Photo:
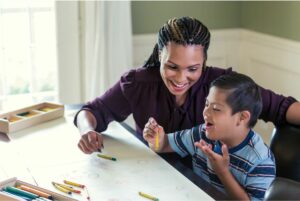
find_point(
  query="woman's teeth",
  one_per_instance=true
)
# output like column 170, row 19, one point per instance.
column 179, row 85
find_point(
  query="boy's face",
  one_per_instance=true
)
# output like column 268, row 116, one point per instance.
column 219, row 121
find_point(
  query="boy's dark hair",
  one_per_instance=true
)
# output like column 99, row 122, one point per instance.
column 184, row 31
column 243, row 94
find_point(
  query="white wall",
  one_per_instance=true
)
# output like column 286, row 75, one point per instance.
column 271, row 61
column 68, row 51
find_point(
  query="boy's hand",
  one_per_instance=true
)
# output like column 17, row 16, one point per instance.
column 154, row 134
column 219, row 163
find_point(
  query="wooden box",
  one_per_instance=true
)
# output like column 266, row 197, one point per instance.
column 25, row 117
column 15, row 182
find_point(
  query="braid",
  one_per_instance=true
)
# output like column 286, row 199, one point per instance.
column 183, row 31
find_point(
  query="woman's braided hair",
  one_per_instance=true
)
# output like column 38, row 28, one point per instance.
column 183, row 31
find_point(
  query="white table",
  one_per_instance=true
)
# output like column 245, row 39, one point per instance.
column 48, row 152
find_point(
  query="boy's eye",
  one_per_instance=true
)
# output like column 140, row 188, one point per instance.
column 215, row 108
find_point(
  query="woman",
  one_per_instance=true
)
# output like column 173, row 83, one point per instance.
column 171, row 87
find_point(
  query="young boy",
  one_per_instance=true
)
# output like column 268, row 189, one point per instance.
column 226, row 151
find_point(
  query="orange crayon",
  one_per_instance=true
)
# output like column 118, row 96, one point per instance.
column 35, row 191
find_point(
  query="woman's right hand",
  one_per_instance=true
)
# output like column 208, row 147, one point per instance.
column 91, row 141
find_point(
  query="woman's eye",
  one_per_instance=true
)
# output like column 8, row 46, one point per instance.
column 192, row 69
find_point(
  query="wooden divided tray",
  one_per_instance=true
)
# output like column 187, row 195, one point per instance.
column 14, row 182
column 25, row 117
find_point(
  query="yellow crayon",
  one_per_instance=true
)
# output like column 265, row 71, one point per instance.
column 73, row 184
column 61, row 188
column 150, row 197
column 106, row 157
column 156, row 141
column 69, row 188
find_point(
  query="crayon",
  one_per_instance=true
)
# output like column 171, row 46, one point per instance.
column 106, row 157
column 156, row 141
column 150, row 197
column 35, row 191
column 69, row 188
column 73, row 184
column 61, row 189
column 15, row 195
column 20, row 192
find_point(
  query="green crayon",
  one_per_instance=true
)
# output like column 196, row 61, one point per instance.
column 20, row 192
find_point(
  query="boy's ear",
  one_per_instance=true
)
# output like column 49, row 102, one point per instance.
column 245, row 116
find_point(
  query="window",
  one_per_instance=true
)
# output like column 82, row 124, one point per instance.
column 28, row 64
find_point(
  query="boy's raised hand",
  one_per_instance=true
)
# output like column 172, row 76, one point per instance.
column 154, row 134
column 219, row 163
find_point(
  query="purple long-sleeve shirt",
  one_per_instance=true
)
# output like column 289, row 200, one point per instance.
column 142, row 92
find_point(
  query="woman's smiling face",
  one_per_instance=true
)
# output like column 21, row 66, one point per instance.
column 181, row 67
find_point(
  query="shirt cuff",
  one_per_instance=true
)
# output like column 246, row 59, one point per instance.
column 174, row 145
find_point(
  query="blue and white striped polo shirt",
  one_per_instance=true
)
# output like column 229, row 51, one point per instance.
column 251, row 162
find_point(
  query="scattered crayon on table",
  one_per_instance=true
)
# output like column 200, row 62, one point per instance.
column 61, row 189
column 150, row 197
column 74, row 184
column 106, row 157
column 69, row 188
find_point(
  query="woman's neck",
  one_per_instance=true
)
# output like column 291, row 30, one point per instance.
column 180, row 99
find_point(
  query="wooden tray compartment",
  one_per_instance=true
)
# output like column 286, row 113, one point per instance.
column 25, row 117
column 15, row 182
